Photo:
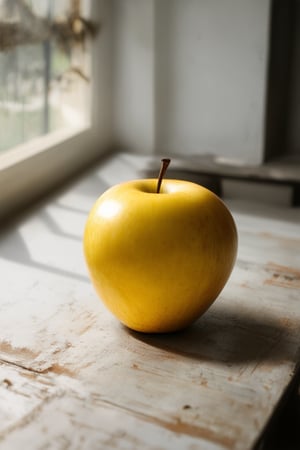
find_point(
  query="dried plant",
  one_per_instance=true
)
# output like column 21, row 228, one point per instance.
column 25, row 27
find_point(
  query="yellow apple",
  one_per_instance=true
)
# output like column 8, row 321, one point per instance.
column 158, row 260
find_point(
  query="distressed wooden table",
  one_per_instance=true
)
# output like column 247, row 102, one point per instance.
column 72, row 377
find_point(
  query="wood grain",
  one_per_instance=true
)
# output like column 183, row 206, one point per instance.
column 72, row 377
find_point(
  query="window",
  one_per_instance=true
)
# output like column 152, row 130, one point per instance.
column 44, row 79
column 67, row 126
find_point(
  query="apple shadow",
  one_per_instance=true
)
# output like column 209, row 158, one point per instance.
column 225, row 335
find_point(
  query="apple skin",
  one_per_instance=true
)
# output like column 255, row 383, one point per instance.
column 158, row 261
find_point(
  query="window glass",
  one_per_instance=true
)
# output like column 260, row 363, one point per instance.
column 44, row 79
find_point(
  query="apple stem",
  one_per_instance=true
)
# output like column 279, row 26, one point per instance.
column 163, row 168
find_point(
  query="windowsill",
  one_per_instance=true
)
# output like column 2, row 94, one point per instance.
column 37, row 145
column 31, row 170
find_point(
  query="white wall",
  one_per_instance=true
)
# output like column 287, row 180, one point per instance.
column 190, row 76
column 133, row 74
column 211, row 71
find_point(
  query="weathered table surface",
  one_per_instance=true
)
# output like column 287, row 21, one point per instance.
column 71, row 377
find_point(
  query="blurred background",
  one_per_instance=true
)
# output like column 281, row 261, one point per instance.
column 212, row 83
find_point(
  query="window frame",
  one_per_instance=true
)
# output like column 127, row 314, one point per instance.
column 32, row 169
